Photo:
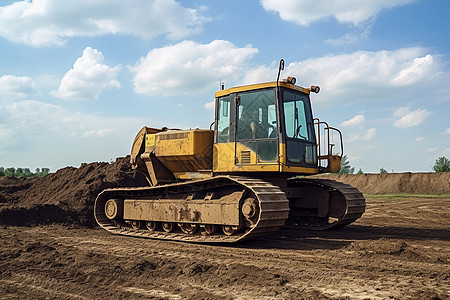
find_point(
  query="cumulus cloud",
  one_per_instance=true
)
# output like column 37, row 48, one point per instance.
column 209, row 105
column 97, row 132
column 189, row 67
column 410, row 118
column 447, row 131
column 356, row 120
column 360, row 75
column 88, row 77
column 192, row 68
column 414, row 71
column 15, row 87
column 305, row 12
column 366, row 137
column 420, row 139
column 51, row 22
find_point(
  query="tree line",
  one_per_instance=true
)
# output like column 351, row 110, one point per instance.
column 442, row 164
column 23, row 172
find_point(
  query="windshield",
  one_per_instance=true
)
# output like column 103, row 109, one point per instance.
column 297, row 118
column 299, row 128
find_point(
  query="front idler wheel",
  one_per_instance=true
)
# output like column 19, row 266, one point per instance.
column 114, row 209
column 250, row 210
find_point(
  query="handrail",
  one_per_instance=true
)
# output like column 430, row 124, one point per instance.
column 326, row 149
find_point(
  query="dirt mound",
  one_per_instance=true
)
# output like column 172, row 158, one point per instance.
column 66, row 196
column 394, row 247
column 391, row 183
column 12, row 188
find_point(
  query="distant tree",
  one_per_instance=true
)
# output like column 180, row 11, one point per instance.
column 27, row 172
column 442, row 164
column 383, row 171
column 360, row 172
column 19, row 172
column 10, row 171
column 23, row 172
column 345, row 166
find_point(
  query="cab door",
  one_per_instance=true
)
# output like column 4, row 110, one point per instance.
column 256, row 135
column 224, row 145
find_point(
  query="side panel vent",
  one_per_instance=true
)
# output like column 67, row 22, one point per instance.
column 245, row 157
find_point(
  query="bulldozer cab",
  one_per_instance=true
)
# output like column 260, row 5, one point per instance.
column 265, row 128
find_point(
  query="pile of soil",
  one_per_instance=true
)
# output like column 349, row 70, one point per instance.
column 392, row 183
column 66, row 196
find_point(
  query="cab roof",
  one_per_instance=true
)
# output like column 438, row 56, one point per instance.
column 257, row 86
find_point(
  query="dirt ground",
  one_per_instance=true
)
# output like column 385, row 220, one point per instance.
column 50, row 249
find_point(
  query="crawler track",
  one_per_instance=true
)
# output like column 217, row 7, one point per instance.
column 350, row 200
column 273, row 208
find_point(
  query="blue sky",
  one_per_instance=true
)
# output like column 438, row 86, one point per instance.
column 78, row 79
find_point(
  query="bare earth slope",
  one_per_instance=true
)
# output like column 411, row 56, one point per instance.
column 399, row 249
column 66, row 196
column 391, row 183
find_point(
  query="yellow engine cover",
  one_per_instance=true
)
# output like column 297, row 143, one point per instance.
column 183, row 151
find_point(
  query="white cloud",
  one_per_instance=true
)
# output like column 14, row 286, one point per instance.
column 51, row 22
column 356, row 120
column 447, row 131
column 350, row 38
column 400, row 112
column 15, row 87
column 366, row 137
column 370, row 134
column 420, row 139
column 88, row 77
column 189, row 67
column 431, row 149
column 410, row 118
column 361, row 75
column 305, row 12
column 96, row 132
column 414, row 71
column 209, row 105
column 21, row 121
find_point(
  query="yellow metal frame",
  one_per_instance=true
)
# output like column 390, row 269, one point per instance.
column 224, row 162
column 260, row 86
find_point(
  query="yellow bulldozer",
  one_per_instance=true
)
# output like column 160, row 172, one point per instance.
column 246, row 177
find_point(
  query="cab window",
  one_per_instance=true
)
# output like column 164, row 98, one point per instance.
column 223, row 120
